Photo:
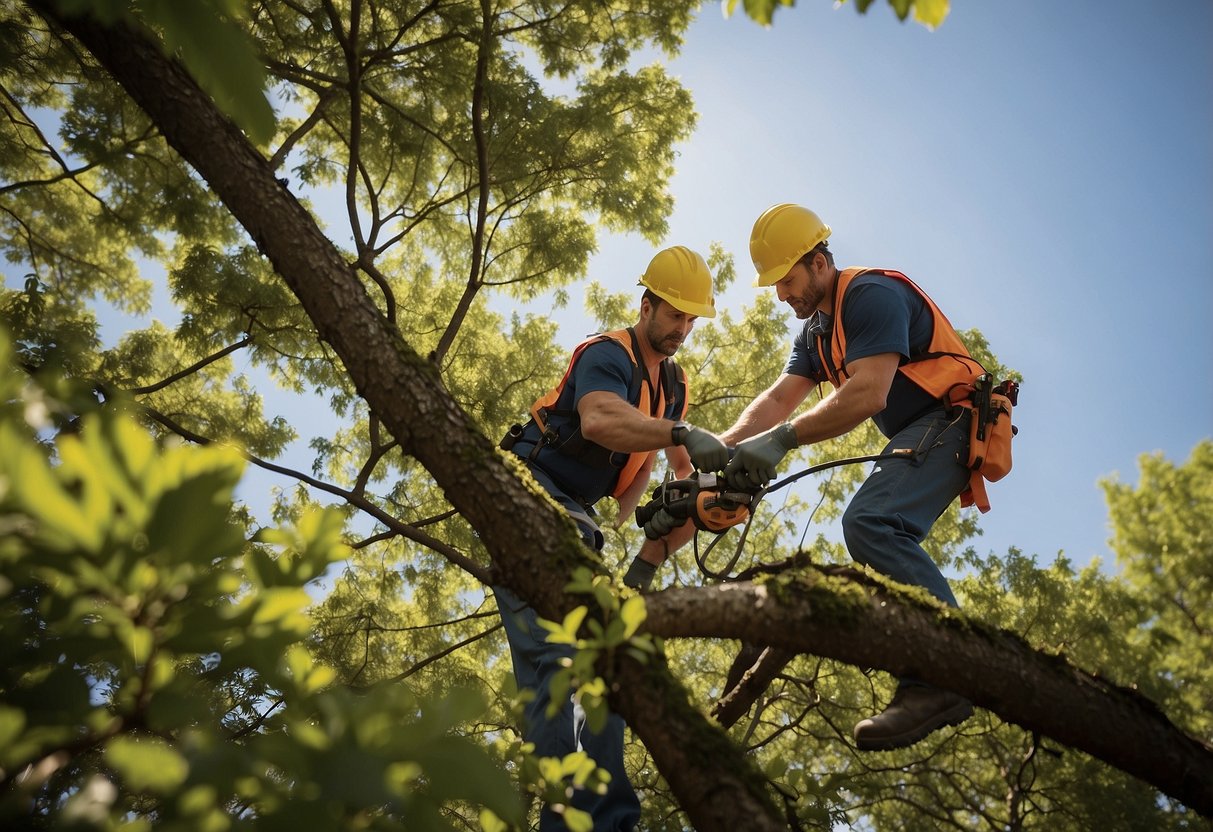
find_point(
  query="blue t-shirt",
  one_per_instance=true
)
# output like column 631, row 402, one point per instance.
column 880, row 314
column 602, row 366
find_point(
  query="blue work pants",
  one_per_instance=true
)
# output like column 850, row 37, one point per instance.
column 895, row 508
column 535, row 663
column 892, row 512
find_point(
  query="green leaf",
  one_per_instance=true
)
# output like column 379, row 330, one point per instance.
column 139, row 641
column 221, row 55
column 12, row 723
column 566, row 632
column 577, row 820
column 42, row 497
column 931, row 13
column 633, row 615
column 489, row 822
column 604, row 595
column 147, row 763
column 281, row 605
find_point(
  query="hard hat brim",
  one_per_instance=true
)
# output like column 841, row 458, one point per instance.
column 699, row 310
column 774, row 274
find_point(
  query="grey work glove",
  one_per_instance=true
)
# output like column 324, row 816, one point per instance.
column 755, row 459
column 661, row 524
column 640, row 574
column 707, row 452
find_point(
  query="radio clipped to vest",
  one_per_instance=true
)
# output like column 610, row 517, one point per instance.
column 990, row 434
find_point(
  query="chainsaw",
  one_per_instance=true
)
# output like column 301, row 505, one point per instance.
column 702, row 498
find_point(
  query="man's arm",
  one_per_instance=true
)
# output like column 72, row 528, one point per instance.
column 611, row 422
column 608, row 420
column 770, row 407
column 862, row 396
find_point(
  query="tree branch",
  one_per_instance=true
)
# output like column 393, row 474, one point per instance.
column 483, row 177
column 865, row 623
column 193, row 368
column 403, row 529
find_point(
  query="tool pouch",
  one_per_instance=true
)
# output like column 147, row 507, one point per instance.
column 990, row 433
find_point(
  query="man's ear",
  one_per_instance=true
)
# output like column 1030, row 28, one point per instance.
column 812, row 261
column 646, row 307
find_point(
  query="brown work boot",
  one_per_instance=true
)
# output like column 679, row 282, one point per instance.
column 916, row 710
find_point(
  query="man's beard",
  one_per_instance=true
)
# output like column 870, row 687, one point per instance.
column 801, row 307
column 666, row 344
column 806, row 304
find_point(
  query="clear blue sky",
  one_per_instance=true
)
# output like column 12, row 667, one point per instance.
column 1044, row 170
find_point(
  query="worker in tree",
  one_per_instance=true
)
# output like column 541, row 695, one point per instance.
column 891, row 356
column 596, row 434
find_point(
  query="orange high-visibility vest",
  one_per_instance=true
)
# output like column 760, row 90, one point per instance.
column 670, row 374
column 945, row 371
column 945, row 364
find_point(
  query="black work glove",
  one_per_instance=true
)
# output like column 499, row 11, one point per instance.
column 755, row 459
column 707, row 452
column 640, row 574
column 661, row 524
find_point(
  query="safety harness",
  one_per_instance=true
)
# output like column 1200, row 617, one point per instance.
column 947, row 372
column 566, row 437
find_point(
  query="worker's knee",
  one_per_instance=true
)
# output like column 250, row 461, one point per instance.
column 866, row 534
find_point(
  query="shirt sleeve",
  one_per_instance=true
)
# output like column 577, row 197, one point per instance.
column 603, row 366
column 877, row 320
column 804, row 360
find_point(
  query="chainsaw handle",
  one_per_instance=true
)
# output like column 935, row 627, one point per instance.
column 647, row 512
column 675, row 496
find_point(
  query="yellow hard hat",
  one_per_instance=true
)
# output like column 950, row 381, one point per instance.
column 781, row 236
column 681, row 277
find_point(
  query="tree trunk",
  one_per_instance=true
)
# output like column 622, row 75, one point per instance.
column 715, row 783
column 719, row 791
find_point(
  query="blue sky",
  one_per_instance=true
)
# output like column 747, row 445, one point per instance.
column 1044, row 170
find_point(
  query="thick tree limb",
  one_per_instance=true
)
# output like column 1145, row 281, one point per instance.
column 869, row 625
column 720, row 790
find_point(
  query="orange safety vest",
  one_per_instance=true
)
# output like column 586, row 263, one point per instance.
column 945, row 371
column 641, row 385
column 945, row 364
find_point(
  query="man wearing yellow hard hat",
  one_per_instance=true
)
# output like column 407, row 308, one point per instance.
column 596, row 434
column 891, row 356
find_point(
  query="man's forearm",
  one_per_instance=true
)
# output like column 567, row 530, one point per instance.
column 611, row 422
column 831, row 417
column 655, row 551
column 848, row 406
column 762, row 413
